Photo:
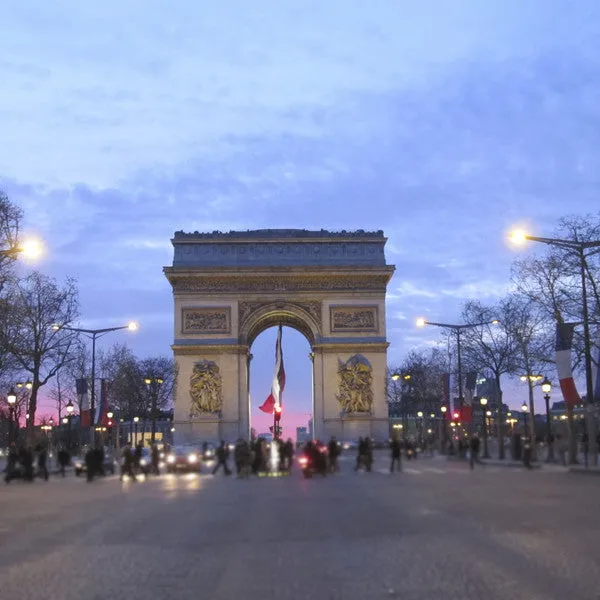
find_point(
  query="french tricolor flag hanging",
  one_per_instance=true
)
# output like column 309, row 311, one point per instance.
column 564, row 345
column 278, row 384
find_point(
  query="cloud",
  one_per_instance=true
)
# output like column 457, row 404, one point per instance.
column 441, row 123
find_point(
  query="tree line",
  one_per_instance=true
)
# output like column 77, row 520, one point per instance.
column 545, row 290
column 39, row 349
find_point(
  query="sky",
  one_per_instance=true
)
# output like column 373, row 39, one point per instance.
column 444, row 123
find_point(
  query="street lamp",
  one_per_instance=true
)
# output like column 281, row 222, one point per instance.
column 93, row 334
column 29, row 249
column 547, row 388
column 69, row 408
column 457, row 329
column 525, row 410
column 153, row 384
column 11, row 398
column 136, row 420
column 483, row 401
column 519, row 237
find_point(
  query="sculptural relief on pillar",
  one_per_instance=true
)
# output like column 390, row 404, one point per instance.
column 355, row 385
column 205, row 389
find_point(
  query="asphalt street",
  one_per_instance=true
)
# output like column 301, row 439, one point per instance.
column 435, row 531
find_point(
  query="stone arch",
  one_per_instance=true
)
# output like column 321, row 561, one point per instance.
column 229, row 287
column 271, row 314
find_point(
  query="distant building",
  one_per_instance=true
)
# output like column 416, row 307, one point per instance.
column 302, row 435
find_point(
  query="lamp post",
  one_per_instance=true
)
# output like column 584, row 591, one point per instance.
column 94, row 334
column 547, row 388
column 579, row 249
column 457, row 329
column 153, row 384
column 69, row 408
column 483, row 402
column 420, row 425
column 525, row 410
column 443, row 430
column 11, row 398
column 136, row 420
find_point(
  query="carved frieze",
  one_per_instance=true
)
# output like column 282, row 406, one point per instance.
column 205, row 389
column 206, row 320
column 353, row 319
column 308, row 283
column 355, row 385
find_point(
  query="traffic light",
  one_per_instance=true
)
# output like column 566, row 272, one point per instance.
column 277, row 414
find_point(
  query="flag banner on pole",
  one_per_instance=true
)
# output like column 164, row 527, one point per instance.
column 275, row 397
column 101, row 417
column 470, row 384
column 85, row 416
column 564, row 345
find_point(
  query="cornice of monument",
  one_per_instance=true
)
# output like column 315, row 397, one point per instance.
column 278, row 235
column 279, row 280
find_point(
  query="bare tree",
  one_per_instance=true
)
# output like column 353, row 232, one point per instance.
column 38, row 305
column 491, row 348
column 138, row 387
column 10, row 222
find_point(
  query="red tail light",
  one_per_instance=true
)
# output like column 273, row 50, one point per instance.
column 303, row 461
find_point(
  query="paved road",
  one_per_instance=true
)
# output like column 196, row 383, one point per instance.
column 437, row 531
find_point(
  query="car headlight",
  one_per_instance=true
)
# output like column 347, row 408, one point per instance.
column 170, row 459
column 192, row 458
column 209, row 453
column 143, row 462
column 78, row 465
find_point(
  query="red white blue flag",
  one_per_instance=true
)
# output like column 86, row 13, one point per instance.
column 275, row 397
column 564, row 345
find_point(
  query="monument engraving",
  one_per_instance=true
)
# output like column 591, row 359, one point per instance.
column 353, row 318
column 206, row 320
column 205, row 389
column 355, row 385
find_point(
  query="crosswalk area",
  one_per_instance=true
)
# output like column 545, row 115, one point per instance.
column 461, row 471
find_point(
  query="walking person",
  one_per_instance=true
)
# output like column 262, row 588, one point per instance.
column 42, row 458
column 222, row 454
column 127, row 464
column 155, row 458
column 396, row 453
column 333, row 449
column 474, row 448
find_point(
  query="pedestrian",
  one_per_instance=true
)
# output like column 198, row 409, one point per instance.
column 585, row 445
column 222, row 454
column 42, row 457
column 127, row 464
column 396, row 453
column 333, row 450
column 155, row 457
column 474, row 451
column 12, row 470
column 288, row 451
column 63, row 460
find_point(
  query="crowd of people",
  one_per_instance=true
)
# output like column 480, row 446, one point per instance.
column 26, row 463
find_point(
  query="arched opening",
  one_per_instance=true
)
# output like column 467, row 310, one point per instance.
column 297, row 399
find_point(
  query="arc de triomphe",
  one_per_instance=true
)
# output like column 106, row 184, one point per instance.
column 229, row 287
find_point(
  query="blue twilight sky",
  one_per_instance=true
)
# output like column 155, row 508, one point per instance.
column 442, row 122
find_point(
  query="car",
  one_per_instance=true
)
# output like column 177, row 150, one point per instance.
column 183, row 459
column 109, row 464
column 208, row 452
